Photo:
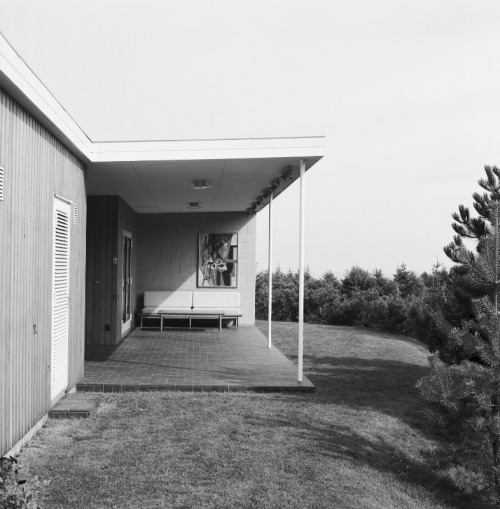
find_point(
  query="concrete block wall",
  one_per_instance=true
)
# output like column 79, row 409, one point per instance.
column 168, row 253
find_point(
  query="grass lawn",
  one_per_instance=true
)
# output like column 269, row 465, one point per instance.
column 357, row 443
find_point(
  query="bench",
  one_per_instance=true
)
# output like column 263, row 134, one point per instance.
column 176, row 302
column 225, row 303
column 191, row 306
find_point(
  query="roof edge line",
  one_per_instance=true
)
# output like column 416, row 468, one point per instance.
column 182, row 140
column 29, row 90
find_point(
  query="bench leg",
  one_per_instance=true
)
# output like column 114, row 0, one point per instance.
column 220, row 323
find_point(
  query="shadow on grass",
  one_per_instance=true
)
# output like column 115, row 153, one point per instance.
column 376, row 377
column 343, row 376
column 382, row 383
column 342, row 443
column 386, row 386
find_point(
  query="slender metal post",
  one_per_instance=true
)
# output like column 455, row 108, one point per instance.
column 270, row 269
column 301, row 269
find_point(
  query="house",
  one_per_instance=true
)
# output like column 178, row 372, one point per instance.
column 88, row 226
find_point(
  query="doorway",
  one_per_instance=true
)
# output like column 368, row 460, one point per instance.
column 60, row 298
column 126, row 281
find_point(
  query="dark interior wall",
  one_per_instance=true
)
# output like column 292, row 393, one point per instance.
column 107, row 217
column 102, row 217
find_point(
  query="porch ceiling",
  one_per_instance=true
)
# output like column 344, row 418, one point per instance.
column 165, row 186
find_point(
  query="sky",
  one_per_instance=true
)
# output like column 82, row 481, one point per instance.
column 407, row 94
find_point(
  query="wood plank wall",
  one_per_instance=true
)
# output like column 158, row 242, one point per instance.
column 107, row 217
column 36, row 166
column 102, row 216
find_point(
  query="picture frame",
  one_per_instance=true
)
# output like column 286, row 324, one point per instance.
column 217, row 260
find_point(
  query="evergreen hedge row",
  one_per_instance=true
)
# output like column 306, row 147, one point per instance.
column 406, row 303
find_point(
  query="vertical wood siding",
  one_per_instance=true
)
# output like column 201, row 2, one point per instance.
column 102, row 212
column 36, row 166
column 107, row 217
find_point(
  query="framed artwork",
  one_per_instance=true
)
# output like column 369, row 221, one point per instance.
column 218, row 260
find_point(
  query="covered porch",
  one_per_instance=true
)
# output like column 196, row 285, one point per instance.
column 179, row 217
column 201, row 359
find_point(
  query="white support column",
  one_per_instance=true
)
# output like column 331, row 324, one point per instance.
column 270, row 269
column 301, row 270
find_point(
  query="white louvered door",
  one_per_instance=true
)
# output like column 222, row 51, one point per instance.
column 60, row 298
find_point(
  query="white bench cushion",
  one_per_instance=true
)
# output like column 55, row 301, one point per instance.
column 157, row 310
column 207, row 311
column 168, row 300
column 189, row 311
column 232, row 311
column 218, row 300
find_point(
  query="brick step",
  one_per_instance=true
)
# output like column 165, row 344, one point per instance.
column 85, row 388
column 75, row 405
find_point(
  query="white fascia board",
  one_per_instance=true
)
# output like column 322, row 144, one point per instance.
column 188, row 150
column 16, row 76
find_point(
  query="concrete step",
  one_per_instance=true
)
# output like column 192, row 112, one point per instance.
column 75, row 405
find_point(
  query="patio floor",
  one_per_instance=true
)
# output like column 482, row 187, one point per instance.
column 235, row 359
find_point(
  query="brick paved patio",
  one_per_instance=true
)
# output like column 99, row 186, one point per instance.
column 191, row 360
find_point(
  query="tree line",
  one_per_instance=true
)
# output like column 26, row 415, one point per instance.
column 406, row 303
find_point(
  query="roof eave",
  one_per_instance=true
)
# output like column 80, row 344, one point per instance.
column 24, row 86
column 183, row 150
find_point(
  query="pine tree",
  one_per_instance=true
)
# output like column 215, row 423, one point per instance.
column 356, row 280
column 476, row 228
column 461, row 292
column 468, row 227
column 407, row 282
column 466, row 395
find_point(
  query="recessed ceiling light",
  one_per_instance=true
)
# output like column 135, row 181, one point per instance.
column 194, row 205
column 200, row 184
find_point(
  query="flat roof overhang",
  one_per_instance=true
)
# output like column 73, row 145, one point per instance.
column 157, row 176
